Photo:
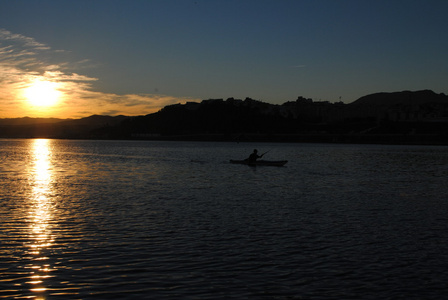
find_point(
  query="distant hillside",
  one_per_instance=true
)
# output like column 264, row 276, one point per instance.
column 56, row 128
column 400, row 117
column 96, row 121
column 212, row 117
column 28, row 121
column 401, row 98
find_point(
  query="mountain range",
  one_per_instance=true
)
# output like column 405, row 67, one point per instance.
column 414, row 117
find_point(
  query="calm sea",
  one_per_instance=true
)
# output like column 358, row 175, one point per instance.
column 175, row 220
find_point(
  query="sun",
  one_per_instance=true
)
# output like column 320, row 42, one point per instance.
column 42, row 93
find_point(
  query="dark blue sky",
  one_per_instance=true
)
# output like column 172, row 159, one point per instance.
column 273, row 51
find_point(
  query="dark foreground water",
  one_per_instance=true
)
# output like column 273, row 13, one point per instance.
column 170, row 220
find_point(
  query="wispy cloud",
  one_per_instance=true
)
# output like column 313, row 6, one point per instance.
column 24, row 60
column 7, row 35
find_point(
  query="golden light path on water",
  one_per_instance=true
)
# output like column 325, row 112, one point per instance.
column 40, row 215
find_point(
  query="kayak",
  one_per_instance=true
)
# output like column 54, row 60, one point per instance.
column 278, row 163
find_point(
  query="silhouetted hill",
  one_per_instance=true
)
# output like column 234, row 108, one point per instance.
column 56, row 128
column 28, row 121
column 401, row 98
column 406, row 106
column 97, row 121
column 212, row 117
column 402, row 117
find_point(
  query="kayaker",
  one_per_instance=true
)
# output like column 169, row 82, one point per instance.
column 254, row 156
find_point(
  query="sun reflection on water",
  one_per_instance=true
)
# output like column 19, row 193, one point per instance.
column 40, row 235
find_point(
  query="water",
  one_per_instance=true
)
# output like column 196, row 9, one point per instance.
column 175, row 220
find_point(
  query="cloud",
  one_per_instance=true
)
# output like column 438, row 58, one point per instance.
column 20, row 51
column 23, row 60
column 26, row 41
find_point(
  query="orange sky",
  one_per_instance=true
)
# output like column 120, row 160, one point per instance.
column 112, row 57
column 30, row 86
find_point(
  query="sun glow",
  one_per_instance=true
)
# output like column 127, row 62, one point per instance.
column 42, row 93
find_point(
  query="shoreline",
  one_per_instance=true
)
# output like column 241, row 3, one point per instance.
column 315, row 138
column 385, row 139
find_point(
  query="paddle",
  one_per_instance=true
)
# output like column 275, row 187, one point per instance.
column 265, row 153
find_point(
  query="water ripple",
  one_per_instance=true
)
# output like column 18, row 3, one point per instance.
column 106, row 220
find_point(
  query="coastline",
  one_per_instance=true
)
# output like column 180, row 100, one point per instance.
column 385, row 139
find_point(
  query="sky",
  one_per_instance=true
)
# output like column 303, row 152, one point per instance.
column 72, row 59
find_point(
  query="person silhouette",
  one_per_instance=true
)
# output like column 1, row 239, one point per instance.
column 253, row 157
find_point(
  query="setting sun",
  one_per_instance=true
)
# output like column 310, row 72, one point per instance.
column 42, row 93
